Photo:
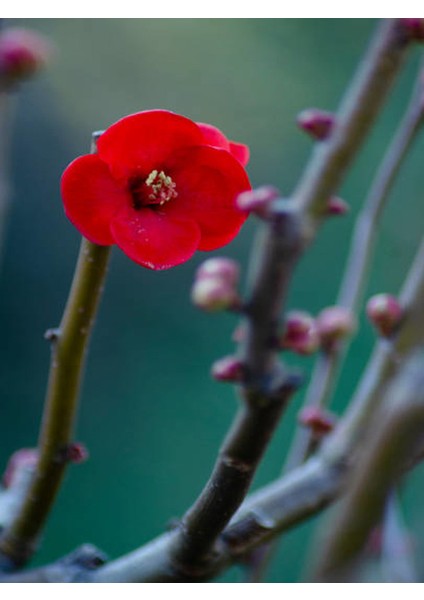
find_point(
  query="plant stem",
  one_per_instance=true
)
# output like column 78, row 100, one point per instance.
column 265, row 391
column 69, row 348
column 396, row 430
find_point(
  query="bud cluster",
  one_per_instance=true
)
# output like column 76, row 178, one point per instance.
column 300, row 333
column 215, row 284
column 305, row 335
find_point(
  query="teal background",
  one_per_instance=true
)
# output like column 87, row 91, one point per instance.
column 150, row 414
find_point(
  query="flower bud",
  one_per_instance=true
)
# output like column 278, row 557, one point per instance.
column 414, row 28
column 259, row 200
column 300, row 334
column 298, row 322
column 75, row 453
column 337, row 206
column 318, row 420
column 21, row 460
column 228, row 368
column 385, row 313
column 213, row 294
column 334, row 323
column 221, row 268
column 317, row 123
column 22, row 54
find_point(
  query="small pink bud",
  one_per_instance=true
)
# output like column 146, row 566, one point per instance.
column 414, row 28
column 22, row 54
column 334, row 323
column 318, row 420
column 385, row 313
column 75, row 453
column 259, row 200
column 317, row 123
column 213, row 294
column 221, row 268
column 298, row 322
column 337, row 206
column 25, row 458
column 300, row 334
column 307, row 344
column 229, row 368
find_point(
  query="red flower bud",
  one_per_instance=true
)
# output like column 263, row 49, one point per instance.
column 317, row 123
column 300, row 334
column 229, row 368
column 317, row 419
column 221, row 268
column 414, row 28
column 334, row 323
column 75, row 453
column 23, row 459
column 384, row 312
column 22, row 54
column 259, row 200
column 337, row 206
column 213, row 294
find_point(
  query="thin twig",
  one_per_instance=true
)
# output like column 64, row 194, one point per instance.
column 397, row 552
column 358, row 111
column 359, row 260
column 395, row 433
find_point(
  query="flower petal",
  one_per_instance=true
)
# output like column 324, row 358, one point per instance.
column 241, row 152
column 153, row 240
column 91, row 198
column 208, row 180
column 212, row 136
column 142, row 142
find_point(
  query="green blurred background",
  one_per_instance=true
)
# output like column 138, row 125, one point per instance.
column 151, row 416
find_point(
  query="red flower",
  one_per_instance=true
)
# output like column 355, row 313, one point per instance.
column 160, row 187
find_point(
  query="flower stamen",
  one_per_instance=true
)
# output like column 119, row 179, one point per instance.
column 157, row 189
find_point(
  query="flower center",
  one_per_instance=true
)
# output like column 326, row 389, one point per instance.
column 158, row 188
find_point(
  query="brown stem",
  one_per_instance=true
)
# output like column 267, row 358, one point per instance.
column 265, row 391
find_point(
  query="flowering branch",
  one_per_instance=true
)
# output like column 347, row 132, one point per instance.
column 359, row 259
column 206, row 540
column 69, row 348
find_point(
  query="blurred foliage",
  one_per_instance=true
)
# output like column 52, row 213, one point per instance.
column 151, row 416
